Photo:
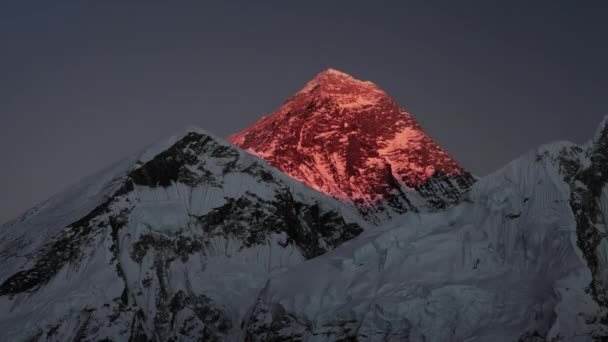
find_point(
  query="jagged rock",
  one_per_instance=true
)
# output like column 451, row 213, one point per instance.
column 349, row 139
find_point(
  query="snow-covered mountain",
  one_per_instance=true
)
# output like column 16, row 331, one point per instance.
column 523, row 258
column 349, row 139
column 173, row 244
column 195, row 239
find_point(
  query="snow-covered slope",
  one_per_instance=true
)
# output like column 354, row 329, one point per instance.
column 174, row 243
column 523, row 258
column 195, row 239
column 349, row 139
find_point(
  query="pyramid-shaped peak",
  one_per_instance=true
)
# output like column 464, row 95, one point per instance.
column 347, row 138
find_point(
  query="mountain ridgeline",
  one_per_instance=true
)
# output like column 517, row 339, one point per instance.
column 335, row 218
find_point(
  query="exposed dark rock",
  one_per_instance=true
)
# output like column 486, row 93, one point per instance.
column 65, row 248
column 171, row 165
column 253, row 219
column 441, row 190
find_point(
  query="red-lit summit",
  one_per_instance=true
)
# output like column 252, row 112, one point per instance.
column 347, row 138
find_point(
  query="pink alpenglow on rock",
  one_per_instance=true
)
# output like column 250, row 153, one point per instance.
column 348, row 139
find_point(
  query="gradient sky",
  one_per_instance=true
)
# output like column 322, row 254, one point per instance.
column 85, row 83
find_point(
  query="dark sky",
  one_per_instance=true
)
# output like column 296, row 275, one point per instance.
column 85, row 83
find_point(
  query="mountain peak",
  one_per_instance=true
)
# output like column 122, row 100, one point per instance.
column 334, row 75
column 334, row 72
column 334, row 78
column 341, row 89
column 349, row 139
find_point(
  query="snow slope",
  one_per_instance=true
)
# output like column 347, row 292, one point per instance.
column 196, row 239
column 174, row 243
column 523, row 258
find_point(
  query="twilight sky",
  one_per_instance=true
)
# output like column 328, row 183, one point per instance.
column 86, row 83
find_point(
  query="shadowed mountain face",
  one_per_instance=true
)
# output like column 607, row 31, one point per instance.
column 173, row 244
column 349, row 139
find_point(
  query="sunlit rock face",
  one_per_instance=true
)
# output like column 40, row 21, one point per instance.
column 349, row 139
